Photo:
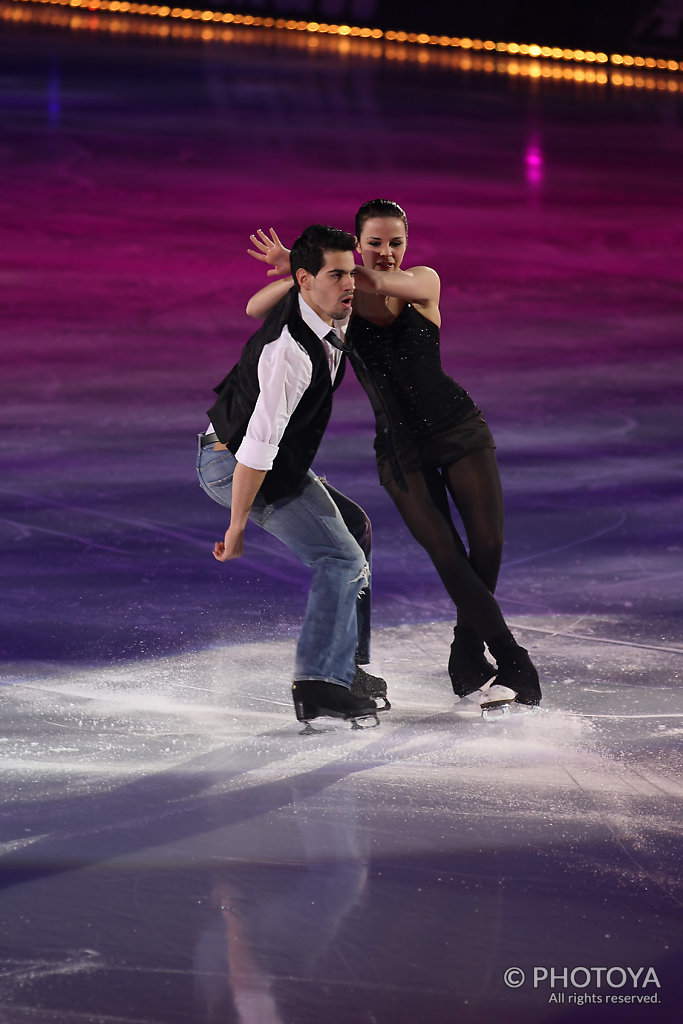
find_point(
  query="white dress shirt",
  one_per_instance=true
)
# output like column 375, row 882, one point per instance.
column 284, row 372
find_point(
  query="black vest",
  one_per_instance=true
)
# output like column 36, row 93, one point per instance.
column 239, row 392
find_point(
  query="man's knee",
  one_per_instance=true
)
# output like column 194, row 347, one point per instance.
column 362, row 577
column 350, row 566
column 360, row 528
column 364, row 537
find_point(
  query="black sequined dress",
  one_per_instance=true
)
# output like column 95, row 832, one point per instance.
column 419, row 409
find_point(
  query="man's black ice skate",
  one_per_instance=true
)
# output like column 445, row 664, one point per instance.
column 314, row 698
column 366, row 685
column 468, row 666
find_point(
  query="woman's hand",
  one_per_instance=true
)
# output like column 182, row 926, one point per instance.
column 270, row 250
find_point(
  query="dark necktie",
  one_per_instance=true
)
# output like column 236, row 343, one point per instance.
column 336, row 342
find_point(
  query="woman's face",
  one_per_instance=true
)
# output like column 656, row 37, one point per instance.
column 382, row 243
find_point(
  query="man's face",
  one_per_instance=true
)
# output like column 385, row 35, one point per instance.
column 330, row 292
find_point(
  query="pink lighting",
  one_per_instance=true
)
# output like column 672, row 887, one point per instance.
column 533, row 163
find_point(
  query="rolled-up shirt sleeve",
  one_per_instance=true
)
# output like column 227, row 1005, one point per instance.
column 284, row 373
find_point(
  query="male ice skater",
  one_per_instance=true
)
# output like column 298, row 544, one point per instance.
column 255, row 459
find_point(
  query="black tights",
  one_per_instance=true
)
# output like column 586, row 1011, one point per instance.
column 474, row 485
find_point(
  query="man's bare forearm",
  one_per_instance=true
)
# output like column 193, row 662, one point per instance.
column 246, row 483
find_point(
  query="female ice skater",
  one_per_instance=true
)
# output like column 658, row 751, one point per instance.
column 432, row 442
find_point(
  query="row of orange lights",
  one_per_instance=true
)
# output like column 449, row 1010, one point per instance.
column 529, row 51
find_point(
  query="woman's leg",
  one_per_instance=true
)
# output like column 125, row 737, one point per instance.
column 424, row 508
column 474, row 485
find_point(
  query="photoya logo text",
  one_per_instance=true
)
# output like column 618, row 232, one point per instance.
column 595, row 977
column 584, row 977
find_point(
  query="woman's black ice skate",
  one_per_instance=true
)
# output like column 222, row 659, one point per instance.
column 314, row 698
column 468, row 666
column 366, row 685
column 516, row 682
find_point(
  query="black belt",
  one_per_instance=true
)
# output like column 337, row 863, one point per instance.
column 209, row 439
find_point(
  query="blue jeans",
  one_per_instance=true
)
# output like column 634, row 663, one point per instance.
column 330, row 534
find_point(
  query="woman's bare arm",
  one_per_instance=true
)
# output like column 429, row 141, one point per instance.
column 420, row 285
column 261, row 303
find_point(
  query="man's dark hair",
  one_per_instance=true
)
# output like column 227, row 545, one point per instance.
column 308, row 252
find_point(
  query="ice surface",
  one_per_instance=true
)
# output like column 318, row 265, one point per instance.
column 136, row 797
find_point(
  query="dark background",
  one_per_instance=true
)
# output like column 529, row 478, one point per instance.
column 631, row 25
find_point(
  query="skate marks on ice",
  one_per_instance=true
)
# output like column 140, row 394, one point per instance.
column 24, row 972
column 221, row 721
column 127, row 785
column 603, row 758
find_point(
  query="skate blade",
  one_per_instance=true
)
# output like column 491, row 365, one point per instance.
column 497, row 710
column 494, row 710
column 356, row 722
column 310, row 730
